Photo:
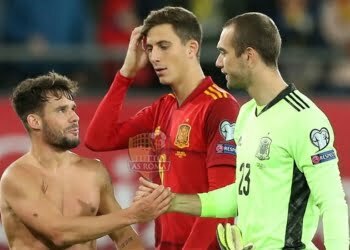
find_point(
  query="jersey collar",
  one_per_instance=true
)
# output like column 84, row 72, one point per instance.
column 206, row 82
column 289, row 89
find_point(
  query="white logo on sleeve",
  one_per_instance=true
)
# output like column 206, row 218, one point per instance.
column 226, row 130
column 319, row 138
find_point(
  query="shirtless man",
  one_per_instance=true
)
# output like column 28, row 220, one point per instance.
column 52, row 198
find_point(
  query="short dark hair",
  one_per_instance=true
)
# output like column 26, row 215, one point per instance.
column 31, row 94
column 258, row 31
column 183, row 21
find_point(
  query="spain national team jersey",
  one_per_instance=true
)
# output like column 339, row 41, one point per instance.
column 287, row 175
column 195, row 141
column 189, row 144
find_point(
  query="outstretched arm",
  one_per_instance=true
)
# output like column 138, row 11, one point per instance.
column 23, row 195
column 183, row 203
column 203, row 230
column 219, row 203
column 124, row 238
column 220, row 165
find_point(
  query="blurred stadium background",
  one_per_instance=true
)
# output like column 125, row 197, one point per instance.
column 87, row 40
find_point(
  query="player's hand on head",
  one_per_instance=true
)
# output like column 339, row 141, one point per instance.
column 230, row 238
column 136, row 57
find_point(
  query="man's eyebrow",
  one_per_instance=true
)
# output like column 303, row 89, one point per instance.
column 158, row 43
column 221, row 49
column 61, row 107
column 163, row 41
column 74, row 106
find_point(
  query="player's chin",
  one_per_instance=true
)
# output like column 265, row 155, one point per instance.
column 72, row 137
column 231, row 84
column 164, row 81
column 72, row 143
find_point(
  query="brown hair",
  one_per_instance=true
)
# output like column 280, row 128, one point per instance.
column 31, row 94
column 184, row 23
column 259, row 32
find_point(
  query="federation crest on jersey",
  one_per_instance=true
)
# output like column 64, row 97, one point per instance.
column 320, row 138
column 263, row 152
column 226, row 130
column 182, row 139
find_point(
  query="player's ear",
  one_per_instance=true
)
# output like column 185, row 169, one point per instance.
column 193, row 48
column 34, row 121
column 251, row 56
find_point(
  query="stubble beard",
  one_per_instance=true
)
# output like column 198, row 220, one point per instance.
column 231, row 84
column 58, row 140
column 239, row 83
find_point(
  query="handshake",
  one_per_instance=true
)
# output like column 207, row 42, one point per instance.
column 229, row 236
column 150, row 201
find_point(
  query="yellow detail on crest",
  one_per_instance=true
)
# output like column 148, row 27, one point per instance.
column 182, row 139
column 161, row 166
column 180, row 154
column 157, row 131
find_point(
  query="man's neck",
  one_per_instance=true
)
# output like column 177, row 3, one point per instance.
column 266, row 86
column 49, row 156
column 188, row 83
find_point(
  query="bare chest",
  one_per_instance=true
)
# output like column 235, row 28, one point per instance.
column 72, row 195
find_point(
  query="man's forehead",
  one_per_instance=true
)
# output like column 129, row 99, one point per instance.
column 227, row 32
column 226, row 37
column 160, row 33
column 59, row 100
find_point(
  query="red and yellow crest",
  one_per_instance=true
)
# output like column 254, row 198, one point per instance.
column 182, row 139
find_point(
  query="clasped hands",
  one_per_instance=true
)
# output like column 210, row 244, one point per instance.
column 229, row 236
column 150, row 201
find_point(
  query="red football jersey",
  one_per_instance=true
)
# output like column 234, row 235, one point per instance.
column 192, row 146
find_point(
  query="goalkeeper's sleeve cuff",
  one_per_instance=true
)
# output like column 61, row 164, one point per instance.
column 219, row 203
column 207, row 205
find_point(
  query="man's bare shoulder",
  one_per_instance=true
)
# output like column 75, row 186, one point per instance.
column 18, row 168
column 95, row 167
column 87, row 163
column 18, row 173
column 91, row 165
